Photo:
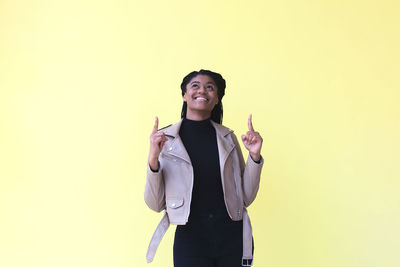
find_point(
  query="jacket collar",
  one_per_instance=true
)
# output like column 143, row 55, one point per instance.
column 176, row 148
column 173, row 130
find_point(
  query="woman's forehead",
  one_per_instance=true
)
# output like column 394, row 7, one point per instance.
column 202, row 78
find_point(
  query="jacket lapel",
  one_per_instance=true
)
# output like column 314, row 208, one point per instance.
column 225, row 144
column 176, row 147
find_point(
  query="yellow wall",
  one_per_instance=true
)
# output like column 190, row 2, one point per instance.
column 81, row 82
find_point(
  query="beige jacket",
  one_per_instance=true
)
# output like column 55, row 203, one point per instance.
column 170, row 188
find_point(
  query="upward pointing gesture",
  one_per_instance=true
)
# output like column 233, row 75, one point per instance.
column 252, row 141
column 157, row 141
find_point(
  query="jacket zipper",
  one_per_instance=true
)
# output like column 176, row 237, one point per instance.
column 237, row 190
column 237, row 195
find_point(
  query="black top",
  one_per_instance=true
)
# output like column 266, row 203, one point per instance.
column 200, row 141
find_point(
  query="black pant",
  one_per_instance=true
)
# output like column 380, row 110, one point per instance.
column 209, row 241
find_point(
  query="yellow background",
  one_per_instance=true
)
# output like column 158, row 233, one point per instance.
column 81, row 82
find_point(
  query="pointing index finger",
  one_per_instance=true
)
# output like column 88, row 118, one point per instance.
column 155, row 128
column 250, row 124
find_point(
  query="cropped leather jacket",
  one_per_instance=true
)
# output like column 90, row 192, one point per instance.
column 170, row 187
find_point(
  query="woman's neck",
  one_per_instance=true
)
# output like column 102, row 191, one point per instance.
column 197, row 116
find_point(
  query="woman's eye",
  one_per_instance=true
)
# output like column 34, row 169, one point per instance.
column 195, row 86
column 210, row 88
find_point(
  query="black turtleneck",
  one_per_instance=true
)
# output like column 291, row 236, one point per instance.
column 200, row 141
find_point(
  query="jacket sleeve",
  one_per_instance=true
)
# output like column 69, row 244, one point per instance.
column 250, row 172
column 154, row 191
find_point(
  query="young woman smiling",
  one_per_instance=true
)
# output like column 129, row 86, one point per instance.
column 197, row 174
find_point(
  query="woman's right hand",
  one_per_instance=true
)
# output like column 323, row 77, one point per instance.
column 157, row 141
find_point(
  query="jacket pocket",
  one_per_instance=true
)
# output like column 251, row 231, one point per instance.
column 174, row 203
column 171, row 159
column 174, row 206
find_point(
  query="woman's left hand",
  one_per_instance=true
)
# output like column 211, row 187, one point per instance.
column 252, row 141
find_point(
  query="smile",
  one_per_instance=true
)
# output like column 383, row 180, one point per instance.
column 201, row 98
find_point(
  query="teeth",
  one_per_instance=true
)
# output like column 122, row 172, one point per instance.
column 201, row 98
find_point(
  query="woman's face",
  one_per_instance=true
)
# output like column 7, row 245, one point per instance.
column 201, row 95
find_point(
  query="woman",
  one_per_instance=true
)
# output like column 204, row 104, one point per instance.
column 196, row 172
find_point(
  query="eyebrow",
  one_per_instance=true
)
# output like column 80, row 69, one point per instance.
column 206, row 83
